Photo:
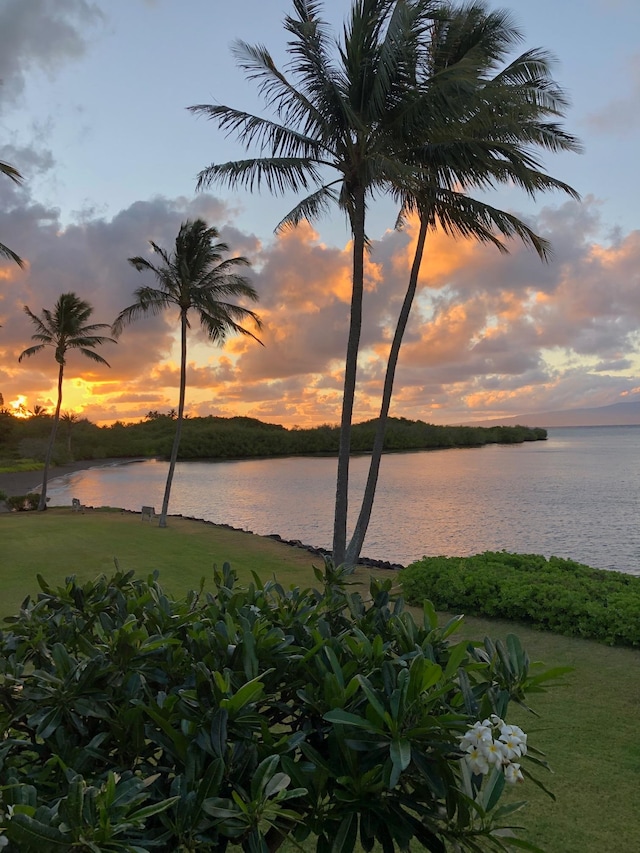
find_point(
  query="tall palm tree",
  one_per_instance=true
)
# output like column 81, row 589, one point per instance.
column 513, row 111
column 65, row 328
column 195, row 277
column 390, row 112
column 336, row 119
column 16, row 177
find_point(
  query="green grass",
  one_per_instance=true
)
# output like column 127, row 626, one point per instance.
column 13, row 466
column 59, row 542
column 587, row 726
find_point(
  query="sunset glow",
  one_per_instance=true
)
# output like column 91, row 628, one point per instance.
column 18, row 407
column 490, row 336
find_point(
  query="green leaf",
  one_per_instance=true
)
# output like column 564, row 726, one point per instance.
column 400, row 752
column 155, row 808
column 263, row 773
column 32, row 835
column 344, row 718
column 278, row 782
column 370, row 693
column 345, row 838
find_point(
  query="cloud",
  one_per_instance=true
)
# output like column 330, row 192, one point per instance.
column 489, row 335
column 40, row 34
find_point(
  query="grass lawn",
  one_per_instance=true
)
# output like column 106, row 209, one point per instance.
column 588, row 726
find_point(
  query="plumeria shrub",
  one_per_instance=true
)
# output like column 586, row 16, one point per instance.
column 134, row 721
column 555, row 594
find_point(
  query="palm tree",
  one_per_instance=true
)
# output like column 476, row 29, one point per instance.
column 195, row 277
column 69, row 419
column 16, row 177
column 523, row 103
column 407, row 107
column 339, row 116
column 65, row 328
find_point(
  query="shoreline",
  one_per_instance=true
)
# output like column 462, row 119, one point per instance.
column 22, row 482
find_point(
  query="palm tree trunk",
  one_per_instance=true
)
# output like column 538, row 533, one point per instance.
column 178, row 434
column 42, row 503
column 360, row 531
column 350, row 371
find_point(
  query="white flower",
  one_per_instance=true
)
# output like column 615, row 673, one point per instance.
column 513, row 774
column 477, row 761
column 495, row 752
column 513, row 746
column 514, row 738
column 478, row 734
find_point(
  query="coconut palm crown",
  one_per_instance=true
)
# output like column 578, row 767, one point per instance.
column 195, row 277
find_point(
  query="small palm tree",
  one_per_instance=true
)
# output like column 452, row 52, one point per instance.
column 16, row 177
column 65, row 328
column 69, row 419
column 195, row 277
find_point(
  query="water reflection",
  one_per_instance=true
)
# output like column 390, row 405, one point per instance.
column 576, row 495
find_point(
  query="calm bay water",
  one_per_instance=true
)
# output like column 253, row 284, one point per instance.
column 576, row 495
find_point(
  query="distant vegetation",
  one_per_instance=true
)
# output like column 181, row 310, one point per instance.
column 555, row 595
column 230, row 438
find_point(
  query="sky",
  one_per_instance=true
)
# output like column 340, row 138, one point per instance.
column 93, row 97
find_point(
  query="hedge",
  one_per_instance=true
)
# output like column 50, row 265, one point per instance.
column 552, row 594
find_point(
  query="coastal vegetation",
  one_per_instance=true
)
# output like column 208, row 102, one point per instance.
column 253, row 714
column 419, row 100
column 195, row 278
column 211, row 437
column 593, row 813
column 554, row 595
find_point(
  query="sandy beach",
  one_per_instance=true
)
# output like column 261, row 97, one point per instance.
column 22, row 482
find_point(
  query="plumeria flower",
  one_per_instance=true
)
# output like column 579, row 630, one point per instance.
column 495, row 752
column 513, row 746
column 513, row 774
column 478, row 734
column 477, row 761
column 515, row 738
column 482, row 751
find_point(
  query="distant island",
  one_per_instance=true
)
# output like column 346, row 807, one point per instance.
column 617, row 414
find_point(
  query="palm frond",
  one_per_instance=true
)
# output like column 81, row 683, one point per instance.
column 10, row 172
column 279, row 175
column 94, row 356
column 310, row 208
column 31, row 351
column 6, row 252
column 279, row 139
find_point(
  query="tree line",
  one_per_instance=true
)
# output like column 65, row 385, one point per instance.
column 231, row 438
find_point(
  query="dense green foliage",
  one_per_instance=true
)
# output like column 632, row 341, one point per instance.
column 21, row 503
column 132, row 721
column 232, row 438
column 557, row 595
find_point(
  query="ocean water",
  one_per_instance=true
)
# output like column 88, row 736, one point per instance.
column 576, row 495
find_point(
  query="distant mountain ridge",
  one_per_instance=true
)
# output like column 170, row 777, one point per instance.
column 617, row 414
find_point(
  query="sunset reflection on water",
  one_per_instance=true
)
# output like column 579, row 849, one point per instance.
column 576, row 495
